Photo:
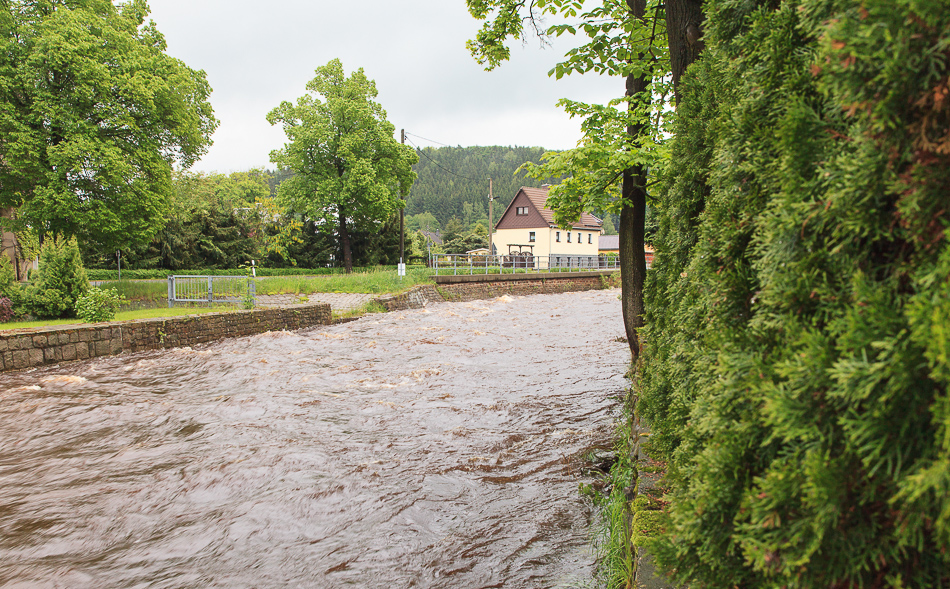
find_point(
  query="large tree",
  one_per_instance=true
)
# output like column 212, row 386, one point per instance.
column 608, row 171
column 349, row 170
column 93, row 115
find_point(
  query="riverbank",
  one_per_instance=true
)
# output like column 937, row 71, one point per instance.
column 32, row 347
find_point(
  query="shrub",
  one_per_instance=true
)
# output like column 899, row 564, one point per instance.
column 6, row 309
column 60, row 280
column 98, row 305
column 9, row 287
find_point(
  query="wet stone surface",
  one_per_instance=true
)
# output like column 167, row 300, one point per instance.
column 430, row 448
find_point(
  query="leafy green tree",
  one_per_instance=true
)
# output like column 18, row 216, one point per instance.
column 608, row 170
column 423, row 221
column 460, row 243
column 93, row 115
column 798, row 371
column 349, row 170
column 649, row 43
column 313, row 248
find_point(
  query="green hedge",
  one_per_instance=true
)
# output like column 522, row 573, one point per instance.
column 153, row 274
column 797, row 365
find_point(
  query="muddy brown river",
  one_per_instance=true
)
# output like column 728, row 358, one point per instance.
column 439, row 447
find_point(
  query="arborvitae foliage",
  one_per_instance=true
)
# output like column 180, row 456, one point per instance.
column 797, row 362
column 453, row 181
column 60, row 280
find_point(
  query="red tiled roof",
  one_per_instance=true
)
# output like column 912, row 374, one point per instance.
column 539, row 196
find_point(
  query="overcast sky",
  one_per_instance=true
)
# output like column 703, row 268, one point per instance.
column 257, row 54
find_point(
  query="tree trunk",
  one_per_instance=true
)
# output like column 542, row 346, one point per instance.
column 345, row 243
column 684, row 31
column 633, row 266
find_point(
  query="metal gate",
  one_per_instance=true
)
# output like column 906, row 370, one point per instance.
column 210, row 289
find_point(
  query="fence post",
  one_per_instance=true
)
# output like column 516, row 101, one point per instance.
column 171, row 291
column 252, row 288
column 210, row 291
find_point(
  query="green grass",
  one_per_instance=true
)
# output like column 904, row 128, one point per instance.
column 122, row 316
column 373, row 282
column 370, row 307
column 378, row 282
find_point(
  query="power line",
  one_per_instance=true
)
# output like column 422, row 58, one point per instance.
column 437, row 164
column 429, row 140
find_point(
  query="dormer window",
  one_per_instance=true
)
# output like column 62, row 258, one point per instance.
column 521, row 210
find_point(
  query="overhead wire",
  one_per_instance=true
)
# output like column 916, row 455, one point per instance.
column 437, row 164
column 429, row 140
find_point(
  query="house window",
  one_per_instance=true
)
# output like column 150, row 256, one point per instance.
column 531, row 236
column 568, row 237
column 578, row 237
column 521, row 210
column 590, row 237
column 557, row 236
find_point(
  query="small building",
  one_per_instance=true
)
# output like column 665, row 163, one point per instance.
column 610, row 244
column 527, row 227
column 435, row 237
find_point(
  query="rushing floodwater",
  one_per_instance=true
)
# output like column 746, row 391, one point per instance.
column 430, row 448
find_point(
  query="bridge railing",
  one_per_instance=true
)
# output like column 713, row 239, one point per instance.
column 210, row 289
column 456, row 264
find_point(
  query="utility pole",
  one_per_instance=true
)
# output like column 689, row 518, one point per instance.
column 401, row 271
column 491, row 227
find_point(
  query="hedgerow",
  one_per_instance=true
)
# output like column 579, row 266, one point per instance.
column 797, row 365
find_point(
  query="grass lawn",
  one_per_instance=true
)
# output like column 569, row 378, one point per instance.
column 123, row 316
column 376, row 282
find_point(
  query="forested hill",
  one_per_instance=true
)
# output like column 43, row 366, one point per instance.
column 453, row 181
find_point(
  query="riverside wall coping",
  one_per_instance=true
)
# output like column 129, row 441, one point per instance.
column 28, row 348
column 469, row 278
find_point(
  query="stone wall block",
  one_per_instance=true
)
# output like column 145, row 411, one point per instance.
column 21, row 359
column 35, row 356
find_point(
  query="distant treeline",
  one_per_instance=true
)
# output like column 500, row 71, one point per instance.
column 453, row 181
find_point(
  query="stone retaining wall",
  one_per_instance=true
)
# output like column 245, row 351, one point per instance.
column 470, row 288
column 415, row 298
column 34, row 347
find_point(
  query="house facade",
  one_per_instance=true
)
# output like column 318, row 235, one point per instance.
column 610, row 244
column 527, row 226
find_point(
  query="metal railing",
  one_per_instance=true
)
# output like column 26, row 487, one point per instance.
column 210, row 289
column 456, row 264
